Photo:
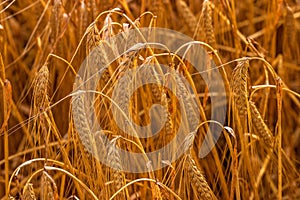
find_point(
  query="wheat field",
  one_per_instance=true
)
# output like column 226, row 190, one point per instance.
column 51, row 149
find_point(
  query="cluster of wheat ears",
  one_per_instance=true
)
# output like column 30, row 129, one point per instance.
column 255, row 46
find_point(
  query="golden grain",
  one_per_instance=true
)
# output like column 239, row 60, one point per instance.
column 32, row 32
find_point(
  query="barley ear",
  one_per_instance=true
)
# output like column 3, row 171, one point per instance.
column 28, row 192
column 116, row 172
column 259, row 125
column 93, row 37
column 81, row 121
column 239, row 86
column 158, row 10
column 40, row 91
column 187, row 15
column 56, row 16
column 289, row 27
column 197, row 179
column 49, row 188
column 208, row 23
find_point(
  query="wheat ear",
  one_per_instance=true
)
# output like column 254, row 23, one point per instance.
column 28, row 192
column 56, row 16
column 49, row 188
column 198, row 180
column 289, row 27
column 208, row 24
column 239, row 86
column 114, row 160
column 93, row 37
column 169, row 123
column 40, row 91
column 81, row 120
column 187, row 15
column 259, row 125
column 157, row 8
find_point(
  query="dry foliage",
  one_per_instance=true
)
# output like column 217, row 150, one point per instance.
column 256, row 47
